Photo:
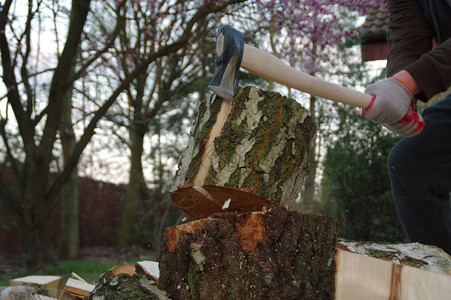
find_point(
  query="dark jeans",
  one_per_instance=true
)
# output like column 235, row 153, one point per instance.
column 420, row 175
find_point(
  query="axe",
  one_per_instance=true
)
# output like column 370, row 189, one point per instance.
column 232, row 53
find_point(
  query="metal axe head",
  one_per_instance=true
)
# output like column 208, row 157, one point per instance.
column 229, row 52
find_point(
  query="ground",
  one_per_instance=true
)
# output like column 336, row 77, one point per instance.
column 15, row 264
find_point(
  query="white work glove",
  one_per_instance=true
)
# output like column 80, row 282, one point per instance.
column 394, row 107
column 410, row 125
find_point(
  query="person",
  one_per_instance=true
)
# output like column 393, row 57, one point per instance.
column 418, row 67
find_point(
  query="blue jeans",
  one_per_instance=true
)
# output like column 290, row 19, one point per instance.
column 420, row 176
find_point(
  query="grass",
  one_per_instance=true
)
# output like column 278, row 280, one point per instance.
column 89, row 270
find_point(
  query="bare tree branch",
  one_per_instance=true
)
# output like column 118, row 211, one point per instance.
column 25, row 124
column 202, row 12
column 98, row 54
column 9, row 153
column 61, row 81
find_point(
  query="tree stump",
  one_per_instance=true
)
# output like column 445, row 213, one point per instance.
column 248, row 154
column 277, row 254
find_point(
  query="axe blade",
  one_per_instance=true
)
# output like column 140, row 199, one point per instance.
column 229, row 52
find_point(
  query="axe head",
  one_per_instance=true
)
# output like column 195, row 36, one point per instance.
column 229, row 52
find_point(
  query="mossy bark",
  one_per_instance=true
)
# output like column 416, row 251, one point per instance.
column 127, row 285
column 278, row 254
column 260, row 157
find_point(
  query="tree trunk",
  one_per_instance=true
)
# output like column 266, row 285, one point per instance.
column 277, row 254
column 136, row 183
column 37, row 203
column 69, row 235
column 308, row 195
column 251, row 154
column 36, row 213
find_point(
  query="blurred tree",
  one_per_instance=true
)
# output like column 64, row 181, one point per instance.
column 69, row 231
column 311, row 31
column 37, row 122
column 356, row 187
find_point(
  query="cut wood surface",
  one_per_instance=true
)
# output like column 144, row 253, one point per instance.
column 252, row 154
column 125, row 268
column 277, row 254
column 41, row 281
column 78, row 287
column 360, row 277
column 150, row 268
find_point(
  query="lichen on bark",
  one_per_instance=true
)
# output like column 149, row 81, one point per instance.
column 262, row 148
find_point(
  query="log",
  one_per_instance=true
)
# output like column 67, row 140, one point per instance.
column 128, row 282
column 360, row 277
column 39, row 281
column 77, row 288
column 425, row 257
column 28, row 292
column 400, row 271
column 274, row 254
column 244, row 156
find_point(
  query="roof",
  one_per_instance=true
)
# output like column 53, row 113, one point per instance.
column 375, row 29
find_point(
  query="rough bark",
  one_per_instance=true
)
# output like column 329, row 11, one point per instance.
column 277, row 254
column 126, row 283
column 258, row 159
column 308, row 194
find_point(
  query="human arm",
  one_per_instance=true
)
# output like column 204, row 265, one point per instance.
column 413, row 51
column 393, row 103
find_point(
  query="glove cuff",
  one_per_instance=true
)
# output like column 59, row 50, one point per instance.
column 365, row 110
column 401, row 82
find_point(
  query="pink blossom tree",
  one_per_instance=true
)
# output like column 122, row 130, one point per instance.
column 312, row 30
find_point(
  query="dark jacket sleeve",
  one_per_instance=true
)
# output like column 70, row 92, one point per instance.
column 412, row 50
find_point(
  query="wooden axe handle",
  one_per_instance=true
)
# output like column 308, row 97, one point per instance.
column 268, row 66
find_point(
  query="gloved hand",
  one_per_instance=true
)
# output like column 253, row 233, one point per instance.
column 391, row 102
column 410, row 125
column 394, row 107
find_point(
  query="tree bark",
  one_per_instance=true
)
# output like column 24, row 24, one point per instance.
column 308, row 194
column 259, row 157
column 69, row 234
column 127, row 282
column 277, row 254
column 136, row 184
column 36, row 214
